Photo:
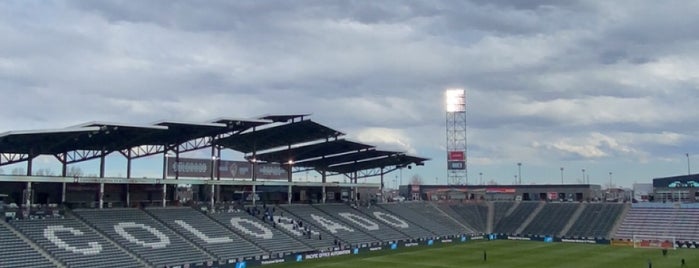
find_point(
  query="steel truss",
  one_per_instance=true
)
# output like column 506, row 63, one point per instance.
column 9, row 158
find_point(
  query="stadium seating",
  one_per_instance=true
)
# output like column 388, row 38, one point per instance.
column 473, row 214
column 319, row 219
column 267, row 237
column 288, row 223
column 551, row 219
column 510, row 223
column 144, row 236
column 680, row 223
column 206, row 233
column 403, row 225
column 17, row 253
column 377, row 228
column 500, row 209
column 423, row 219
column 430, row 211
column 596, row 220
column 74, row 244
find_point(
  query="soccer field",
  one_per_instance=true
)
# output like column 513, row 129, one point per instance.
column 517, row 254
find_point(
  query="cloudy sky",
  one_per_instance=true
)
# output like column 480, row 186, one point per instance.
column 608, row 86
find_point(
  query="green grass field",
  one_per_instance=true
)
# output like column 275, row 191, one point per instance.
column 515, row 254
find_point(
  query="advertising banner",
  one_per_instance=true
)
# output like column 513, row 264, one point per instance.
column 202, row 168
column 456, row 165
column 456, row 156
column 500, row 190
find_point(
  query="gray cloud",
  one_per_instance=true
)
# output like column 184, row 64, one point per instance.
column 550, row 82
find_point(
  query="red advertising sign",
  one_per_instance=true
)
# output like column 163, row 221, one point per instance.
column 415, row 188
column 500, row 190
column 456, row 156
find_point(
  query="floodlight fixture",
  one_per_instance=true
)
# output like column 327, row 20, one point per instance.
column 456, row 100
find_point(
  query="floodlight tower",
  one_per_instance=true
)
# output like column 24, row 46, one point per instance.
column 457, row 172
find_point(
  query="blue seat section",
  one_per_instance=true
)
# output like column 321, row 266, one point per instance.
column 144, row 236
column 510, row 223
column 596, row 220
column 378, row 228
column 17, row 253
column 267, row 237
column 412, row 230
column 206, row 233
column 321, row 220
column 74, row 243
column 552, row 218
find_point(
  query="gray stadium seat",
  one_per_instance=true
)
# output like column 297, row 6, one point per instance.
column 74, row 243
column 144, row 236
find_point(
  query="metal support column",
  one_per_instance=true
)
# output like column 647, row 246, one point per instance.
column 212, row 197
column 64, row 173
column 213, row 173
column 28, row 196
column 253, row 195
column 381, row 187
column 128, row 177
column 101, row 195
column 290, row 195
column 164, row 193
column 101, row 175
column 324, row 194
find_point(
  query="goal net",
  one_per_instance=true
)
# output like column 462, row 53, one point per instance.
column 654, row 241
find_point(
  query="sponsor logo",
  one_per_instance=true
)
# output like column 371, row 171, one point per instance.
column 578, row 241
column 375, row 248
column 518, row 238
column 476, row 238
column 446, row 241
column 328, row 254
column 265, row 262
column 413, row 244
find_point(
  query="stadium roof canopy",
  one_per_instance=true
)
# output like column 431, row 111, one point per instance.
column 238, row 124
column 284, row 117
column 43, row 141
column 283, row 139
column 278, row 136
column 324, row 162
column 310, row 151
column 398, row 160
column 109, row 137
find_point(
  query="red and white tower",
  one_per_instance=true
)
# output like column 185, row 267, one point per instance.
column 457, row 171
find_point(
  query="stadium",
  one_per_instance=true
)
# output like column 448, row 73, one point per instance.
column 211, row 212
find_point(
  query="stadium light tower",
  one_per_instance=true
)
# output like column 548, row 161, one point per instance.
column 457, row 171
